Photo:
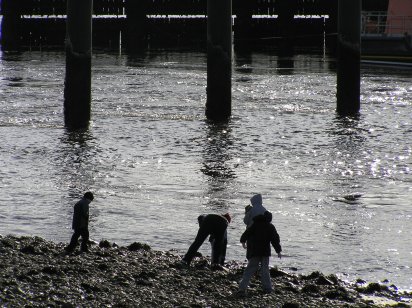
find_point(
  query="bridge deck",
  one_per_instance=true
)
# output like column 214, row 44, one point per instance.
column 41, row 22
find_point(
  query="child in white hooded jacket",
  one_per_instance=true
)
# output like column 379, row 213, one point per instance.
column 256, row 209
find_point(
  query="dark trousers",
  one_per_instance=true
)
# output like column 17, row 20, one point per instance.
column 219, row 258
column 84, row 233
column 217, row 230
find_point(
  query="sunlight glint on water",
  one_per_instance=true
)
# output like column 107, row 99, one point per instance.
column 155, row 164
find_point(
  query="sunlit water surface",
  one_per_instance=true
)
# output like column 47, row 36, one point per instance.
column 155, row 164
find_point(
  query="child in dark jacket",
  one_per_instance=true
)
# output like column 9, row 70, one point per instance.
column 214, row 225
column 259, row 236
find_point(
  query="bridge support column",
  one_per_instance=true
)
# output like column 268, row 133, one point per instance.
column 77, row 88
column 349, row 46
column 286, row 25
column 10, row 25
column 243, row 31
column 219, row 60
column 136, row 24
column 331, row 26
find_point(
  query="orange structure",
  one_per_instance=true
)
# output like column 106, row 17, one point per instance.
column 387, row 35
column 399, row 20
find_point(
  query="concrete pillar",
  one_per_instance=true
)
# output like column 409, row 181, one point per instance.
column 243, row 30
column 349, row 49
column 10, row 25
column 136, row 24
column 77, row 88
column 331, row 26
column 219, row 60
column 286, row 25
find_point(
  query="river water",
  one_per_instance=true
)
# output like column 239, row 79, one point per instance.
column 155, row 164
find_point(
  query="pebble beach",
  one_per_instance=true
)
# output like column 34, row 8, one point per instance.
column 38, row 273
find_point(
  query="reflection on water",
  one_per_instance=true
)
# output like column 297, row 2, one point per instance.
column 243, row 62
column 76, row 171
column 350, row 142
column 285, row 65
column 76, row 161
column 216, row 155
column 155, row 164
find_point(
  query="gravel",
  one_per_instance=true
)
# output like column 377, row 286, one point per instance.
column 38, row 273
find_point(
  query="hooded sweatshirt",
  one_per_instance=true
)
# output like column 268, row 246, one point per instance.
column 257, row 209
column 259, row 237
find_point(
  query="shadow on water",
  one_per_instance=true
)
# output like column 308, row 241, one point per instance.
column 343, row 223
column 216, row 155
column 349, row 133
column 13, row 69
column 349, row 143
column 137, row 59
column 11, row 56
column 76, row 157
column 285, row 65
column 80, row 170
column 243, row 62
column 285, row 62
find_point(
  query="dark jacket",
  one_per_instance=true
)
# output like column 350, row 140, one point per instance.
column 214, row 224
column 260, row 235
column 81, row 214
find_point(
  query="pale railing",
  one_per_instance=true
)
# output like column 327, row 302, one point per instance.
column 379, row 23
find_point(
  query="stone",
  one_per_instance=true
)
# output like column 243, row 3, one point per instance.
column 104, row 244
column 139, row 246
column 137, row 276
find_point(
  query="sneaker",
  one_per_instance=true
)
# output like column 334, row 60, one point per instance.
column 182, row 264
column 66, row 253
column 68, row 250
column 216, row 267
column 241, row 293
column 267, row 291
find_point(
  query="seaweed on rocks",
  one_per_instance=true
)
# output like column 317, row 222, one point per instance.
column 35, row 272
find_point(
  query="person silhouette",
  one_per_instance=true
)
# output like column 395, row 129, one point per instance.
column 214, row 225
column 80, row 223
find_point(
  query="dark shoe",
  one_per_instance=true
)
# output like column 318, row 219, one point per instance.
column 267, row 291
column 216, row 267
column 241, row 293
column 68, row 249
column 182, row 264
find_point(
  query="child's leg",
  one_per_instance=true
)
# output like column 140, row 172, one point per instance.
column 223, row 252
column 74, row 241
column 212, row 244
column 201, row 236
column 251, row 268
column 265, row 275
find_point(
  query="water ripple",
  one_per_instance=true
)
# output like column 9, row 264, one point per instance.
column 149, row 155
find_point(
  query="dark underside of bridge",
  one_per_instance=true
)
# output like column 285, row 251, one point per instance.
column 131, row 24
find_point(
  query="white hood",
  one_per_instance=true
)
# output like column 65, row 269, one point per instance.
column 256, row 200
column 257, row 209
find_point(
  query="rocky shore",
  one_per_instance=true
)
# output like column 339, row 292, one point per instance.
column 37, row 273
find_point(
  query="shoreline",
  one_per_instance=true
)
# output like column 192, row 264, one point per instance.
column 37, row 272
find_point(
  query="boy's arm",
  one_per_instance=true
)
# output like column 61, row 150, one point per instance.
column 245, row 236
column 275, row 241
column 85, row 211
column 246, row 218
